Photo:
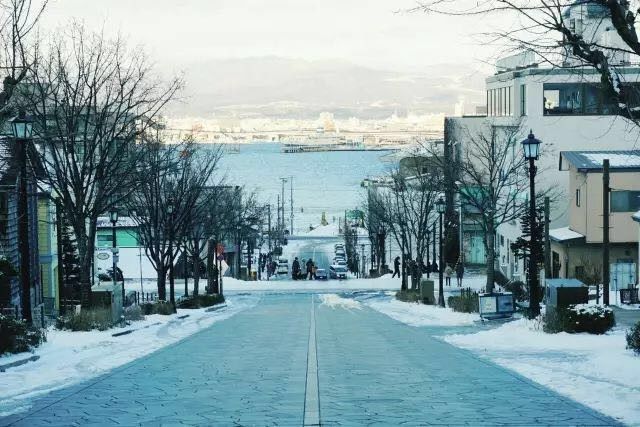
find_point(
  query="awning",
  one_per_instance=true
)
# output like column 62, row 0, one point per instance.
column 564, row 234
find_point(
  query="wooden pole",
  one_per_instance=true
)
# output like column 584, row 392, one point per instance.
column 605, row 231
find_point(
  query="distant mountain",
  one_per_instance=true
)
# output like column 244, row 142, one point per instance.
column 283, row 87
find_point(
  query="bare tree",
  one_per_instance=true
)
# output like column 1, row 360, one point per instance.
column 406, row 207
column 171, row 189
column 491, row 179
column 92, row 99
column 17, row 21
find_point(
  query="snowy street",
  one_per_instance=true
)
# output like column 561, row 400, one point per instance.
column 369, row 369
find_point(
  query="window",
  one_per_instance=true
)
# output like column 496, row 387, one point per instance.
column 575, row 98
column 625, row 201
column 577, row 197
column 4, row 214
column 523, row 100
column 509, row 101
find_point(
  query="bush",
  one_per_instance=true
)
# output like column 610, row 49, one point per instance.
column 86, row 320
column 16, row 336
column 201, row 301
column 633, row 338
column 593, row 319
column 410, row 295
column 467, row 302
column 162, row 307
column 133, row 313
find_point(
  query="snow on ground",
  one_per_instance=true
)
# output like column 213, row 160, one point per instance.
column 330, row 230
column 415, row 314
column 70, row 357
column 336, row 301
column 595, row 370
column 385, row 282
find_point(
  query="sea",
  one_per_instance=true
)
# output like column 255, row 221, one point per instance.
column 328, row 182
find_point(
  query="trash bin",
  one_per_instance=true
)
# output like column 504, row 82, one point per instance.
column 427, row 291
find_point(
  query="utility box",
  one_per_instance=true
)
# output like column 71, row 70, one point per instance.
column 498, row 305
column 565, row 292
column 427, row 291
column 107, row 295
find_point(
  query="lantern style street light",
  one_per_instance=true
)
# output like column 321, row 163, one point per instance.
column 531, row 150
column 22, row 127
column 441, row 207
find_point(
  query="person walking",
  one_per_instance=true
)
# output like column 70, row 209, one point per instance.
column 309, row 269
column 396, row 267
column 448, row 272
column 295, row 269
column 459, row 273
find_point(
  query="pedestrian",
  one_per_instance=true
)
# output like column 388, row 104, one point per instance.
column 434, row 267
column 448, row 272
column 459, row 273
column 309, row 269
column 313, row 270
column 295, row 269
column 396, row 267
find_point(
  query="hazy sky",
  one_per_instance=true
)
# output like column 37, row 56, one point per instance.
column 365, row 32
column 195, row 35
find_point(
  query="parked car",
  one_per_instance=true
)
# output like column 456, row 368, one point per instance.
column 338, row 272
column 321, row 274
column 340, row 252
column 342, row 263
column 283, row 267
column 338, row 246
column 337, row 259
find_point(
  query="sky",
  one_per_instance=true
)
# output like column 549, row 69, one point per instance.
column 378, row 34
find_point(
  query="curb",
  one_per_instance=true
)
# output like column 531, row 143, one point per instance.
column 18, row 363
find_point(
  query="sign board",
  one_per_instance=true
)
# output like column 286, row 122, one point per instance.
column 103, row 256
column 496, row 305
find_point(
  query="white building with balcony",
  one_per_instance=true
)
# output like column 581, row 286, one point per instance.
column 564, row 107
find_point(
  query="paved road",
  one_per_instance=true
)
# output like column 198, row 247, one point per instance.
column 287, row 361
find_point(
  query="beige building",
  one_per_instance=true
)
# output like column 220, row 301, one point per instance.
column 576, row 250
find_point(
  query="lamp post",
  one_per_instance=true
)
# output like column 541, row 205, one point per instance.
column 22, row 127
column 441, row 209
column 113, row 216
column 364, row 262
column 531, row 149
column 238, row 251
column 172, row 297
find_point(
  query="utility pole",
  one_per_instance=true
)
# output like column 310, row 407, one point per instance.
column 284, row 180
column 278, row 223
column 605, row 231
column 291, row 204
column 269, row 225
column 547, row 243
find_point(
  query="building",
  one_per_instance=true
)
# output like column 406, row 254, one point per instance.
column 48, row 254
column 576, row 250
column 9, row 227
column 563, row 106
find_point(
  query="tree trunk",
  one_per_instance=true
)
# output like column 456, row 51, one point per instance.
column 162, row 282
column 196, row 271
column 490, row 259
column 85, row 257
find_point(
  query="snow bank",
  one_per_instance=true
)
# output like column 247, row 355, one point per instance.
column 415, row 314
column 335, row 301
column 595, row 370
column 330, row 230
column 70, row 357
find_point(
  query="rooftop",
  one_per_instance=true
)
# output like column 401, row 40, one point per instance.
column 587, row 161
column 563, row 234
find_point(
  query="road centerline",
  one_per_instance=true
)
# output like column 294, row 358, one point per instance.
column 312, row 395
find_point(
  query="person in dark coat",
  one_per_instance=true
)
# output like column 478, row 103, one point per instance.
column 396, row 267
column 295, row 269
column 309, row 269
column 434, row 267
column 459, row 273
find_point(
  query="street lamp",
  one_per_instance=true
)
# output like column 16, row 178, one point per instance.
column 172, row 298
column 113, row 217
column 22, row 127
column 441, row 206
column 239, row 251
column 531, row 150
